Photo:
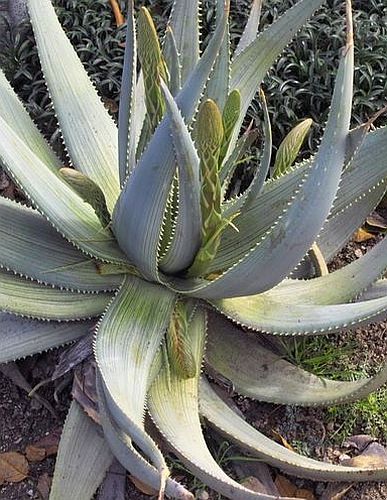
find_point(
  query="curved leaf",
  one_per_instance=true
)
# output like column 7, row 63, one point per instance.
column 173, row 399
column 171, row 56
column 127, row 124
column 20, row 337
column 30, row 299
column 256, row 372
column 30, row 246
column 12, row 111
column 126, row 343
column 83, row 458
column 187, row 233
column 250, row 66
column 251, row 29
column 263, row 313
column 92, row 146
column 184, row 21
column 219, row 415
column 124, row 451
column 66, row 211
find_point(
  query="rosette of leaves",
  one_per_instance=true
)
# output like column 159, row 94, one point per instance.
column 138, row 243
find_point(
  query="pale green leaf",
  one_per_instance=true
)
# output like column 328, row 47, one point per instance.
column 250, row 66
column 83, row 458
column 66, row 211
column 28, row 298
column 187, row 231
column 126, row 343
column 20, row 337
column 12, row 111
column 31, row 247
column 124, row 451
column 177, row 401
column 127, row 124
column 251, row 29
column 259, row 373
column 89, row 132
column 184, row 21
column 226, row 421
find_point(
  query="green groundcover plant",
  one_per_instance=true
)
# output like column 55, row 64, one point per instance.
column 139, row 243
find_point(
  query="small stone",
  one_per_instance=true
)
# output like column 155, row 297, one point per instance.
column 202, row 495
column 358, row 253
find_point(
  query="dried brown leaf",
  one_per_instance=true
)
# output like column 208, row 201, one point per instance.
column 282, row 440
column 362, row 235
column 254, row 484
column 45, row 447
column 373, row 457
column 336, row 491
column 287, row 489
column 13, row 467
column 359, row 442
column 44, row 486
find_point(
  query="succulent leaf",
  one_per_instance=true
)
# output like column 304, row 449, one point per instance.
column 93, row 146
column 250, row 32
column 257, row 372
column 28, row 298
column 180, row 403
column 185, row 24
column 219, row 415
column 63, row 208
column 126, row 343
column 89, row 191
column 187, row 236
column 263, row 313
column 30, row 246
column 123, row 449
column 83, row 458
column 249, row 68
column 21, row 337
column 218, row 84
column 171, row 56
column 127, row 124
column 13, row 112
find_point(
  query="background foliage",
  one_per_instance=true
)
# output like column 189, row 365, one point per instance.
column 299, row 86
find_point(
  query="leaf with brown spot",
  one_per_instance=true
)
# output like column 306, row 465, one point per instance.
column 13, row 467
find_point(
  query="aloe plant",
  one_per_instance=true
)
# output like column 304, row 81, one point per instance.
column 140, row 244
